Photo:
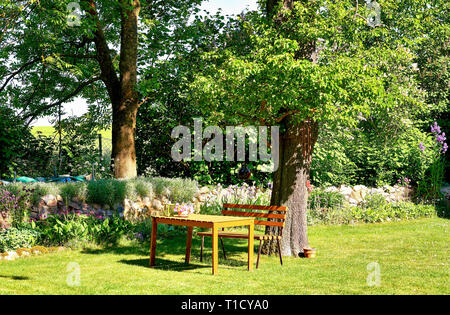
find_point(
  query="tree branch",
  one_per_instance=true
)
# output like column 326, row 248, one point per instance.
column 29, row 63
column 31, row 116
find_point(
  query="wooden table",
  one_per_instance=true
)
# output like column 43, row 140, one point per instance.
column 213, row 222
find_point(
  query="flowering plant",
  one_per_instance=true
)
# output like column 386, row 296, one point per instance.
column 183, row 209
column 430, row 185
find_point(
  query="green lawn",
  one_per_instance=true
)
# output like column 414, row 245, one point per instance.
column 50, row 131
column 413, row 257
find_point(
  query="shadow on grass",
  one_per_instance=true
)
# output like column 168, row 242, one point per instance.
column 164, row 264
column 236, row 251
column 443, row 209
column 15, row 277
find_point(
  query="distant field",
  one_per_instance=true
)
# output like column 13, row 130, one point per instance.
column 49, row 131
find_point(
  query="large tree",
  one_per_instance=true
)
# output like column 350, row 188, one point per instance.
column 53, row 51
column 310, row 64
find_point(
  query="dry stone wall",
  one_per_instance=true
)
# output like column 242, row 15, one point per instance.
column 141, row 208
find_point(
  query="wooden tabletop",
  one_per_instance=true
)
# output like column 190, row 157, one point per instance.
column 204, row 218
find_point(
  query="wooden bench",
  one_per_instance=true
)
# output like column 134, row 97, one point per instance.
column 275, row 216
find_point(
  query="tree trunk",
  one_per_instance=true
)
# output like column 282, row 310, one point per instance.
column 124, row 113
column 123, row 147
column 289, row 187
column 122, row 91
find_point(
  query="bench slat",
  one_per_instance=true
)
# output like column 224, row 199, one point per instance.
column 254, row 207
column 269, row 223
column 240, row 235
column 254, row 214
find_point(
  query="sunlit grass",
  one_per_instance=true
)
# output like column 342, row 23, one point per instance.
column 413, row 257
column 49, row 131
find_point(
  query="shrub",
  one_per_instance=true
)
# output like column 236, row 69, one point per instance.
column 182, row 190
column 143, row 188
column 15, row 205
column 176, row 189
column 43, row 189
column 376, row 212
column 73, row 230
column 320, row 198
column 14, row 238
column 71, row 190
column 59, row 230
column 108, row 231
column 110, row 192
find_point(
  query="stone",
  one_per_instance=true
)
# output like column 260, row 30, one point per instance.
column 356, row 195
column 331, row 189
column 345, row 190
column 75, row 205
column 157, row 205
column 13, row 255
column 48, row 198
column 146, row 201
column 359, row 187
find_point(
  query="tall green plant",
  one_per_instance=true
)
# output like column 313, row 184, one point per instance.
column 430, row 186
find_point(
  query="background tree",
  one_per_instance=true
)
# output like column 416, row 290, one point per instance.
column 50, row 55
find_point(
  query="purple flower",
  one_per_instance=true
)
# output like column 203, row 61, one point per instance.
column 444, row 148
column 435, row 128
column 441, row 138
column 422, row 147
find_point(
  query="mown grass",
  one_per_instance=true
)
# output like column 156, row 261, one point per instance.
column 50, row 131
column 413, row 257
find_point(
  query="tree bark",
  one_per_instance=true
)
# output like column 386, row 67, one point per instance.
column 289, row 187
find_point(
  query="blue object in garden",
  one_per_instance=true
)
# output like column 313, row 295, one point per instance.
column 25, row 180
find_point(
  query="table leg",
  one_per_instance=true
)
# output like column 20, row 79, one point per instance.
column 215, row 250
column 153, row 242
column 188, row 244
column 251, row 234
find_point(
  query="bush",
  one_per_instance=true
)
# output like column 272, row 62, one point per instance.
column 56, row 230
column 73, row 229
column 110, row 192
column 372, row 212
column 15, row 205
column 176, row 189
column 72, row 190
column 14, row 238
column 143, row 188
column 320, row 198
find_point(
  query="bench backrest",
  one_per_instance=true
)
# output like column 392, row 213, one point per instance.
column 268, row 219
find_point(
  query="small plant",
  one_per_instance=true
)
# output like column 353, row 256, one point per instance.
column 430, row 185
column 14, row 206
column 143, row 188
column 319, row 199
column 73, row 190
column 14, row 238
